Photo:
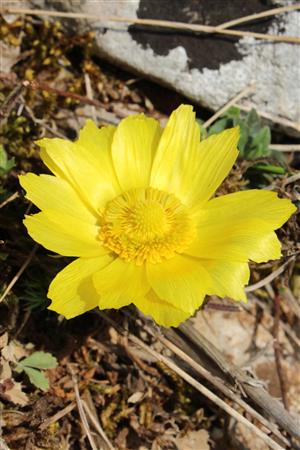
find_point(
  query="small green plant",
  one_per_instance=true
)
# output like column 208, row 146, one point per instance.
column 254, row 145
column 255, row 138
column 6, row 164
column 32, row 366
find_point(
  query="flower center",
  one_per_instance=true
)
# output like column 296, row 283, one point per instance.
column 146, row 224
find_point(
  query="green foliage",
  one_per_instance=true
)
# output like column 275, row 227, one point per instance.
column 6, row 164
column 254, row 146
column 255, row 139
column 32, row 366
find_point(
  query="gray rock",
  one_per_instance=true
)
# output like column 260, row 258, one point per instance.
column 208, row 69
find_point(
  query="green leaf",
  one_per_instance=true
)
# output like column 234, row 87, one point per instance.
column 253, row 121
column 280, row 157
column 269, row 168
column 262, row 138
column 219, row 126
column 232, row 113
column 39, row 360
column 3, row 157
column 244, row 136
column 37, row 378
column 5, row 164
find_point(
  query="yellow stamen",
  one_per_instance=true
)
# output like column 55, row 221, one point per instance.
column 146, row 224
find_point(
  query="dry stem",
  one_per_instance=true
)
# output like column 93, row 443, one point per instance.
column 285, row 147
column 196, row 384
column 251, row 17
column 151, row 22
column 81, row 411
column 269, row 278
column 231, row 102
column 219, row 384
column 63, row 412
column 278, row 352
column 19, row 273
column 9, row 199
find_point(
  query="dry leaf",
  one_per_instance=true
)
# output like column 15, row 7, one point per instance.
column 3, row 340
column 13, row 352
column 12, row 391
column 136, row 397
column 5, row 370
column 9, row 56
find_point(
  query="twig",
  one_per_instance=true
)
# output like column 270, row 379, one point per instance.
column 82, row 412
column 285, row 147
column 269, row 278
column 291, row 179
column 198, row 386
column 11, row 100
column 57, row 416
column 231, row 102
column 222, row 307
column 43, row 124
column 268, row 116
column 19, row 273
column 39, row 85
column 291, row 333
column 251, row 17
column 97, row 425
column 9, row 199
column 89, row 93
column 271, row 406
column 152, row 22
column 277, row 352
column 209, row 394
column 218, row 383
column 289, row 298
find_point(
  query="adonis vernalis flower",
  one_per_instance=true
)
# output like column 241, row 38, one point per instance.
column 134, row 205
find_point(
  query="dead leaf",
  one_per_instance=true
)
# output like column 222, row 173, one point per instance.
column 136, row 397
column 5, row 370
column 3, row 340
column 193, row 440
column 12, row 391
column 13, row 352
column 9, row 56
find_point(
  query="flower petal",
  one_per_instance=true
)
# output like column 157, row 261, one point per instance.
column 181, row 281
column 228, row 278
column 64, row 234
column 120, row 283
column 95, row 144
column 48, row 192
column 162, row 312
column 177, row 153
column 190, row 169
column 254, row 203
column 133, row 147
column 217, row 155
column 87, row 168
column 240, row 226
column 72, row 291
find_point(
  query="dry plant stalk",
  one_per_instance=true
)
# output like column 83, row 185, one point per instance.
column 271, row 406
column 156, row 23
column 193, row 382
column 19, row 273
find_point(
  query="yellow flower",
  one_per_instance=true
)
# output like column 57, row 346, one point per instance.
column 133, row 203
